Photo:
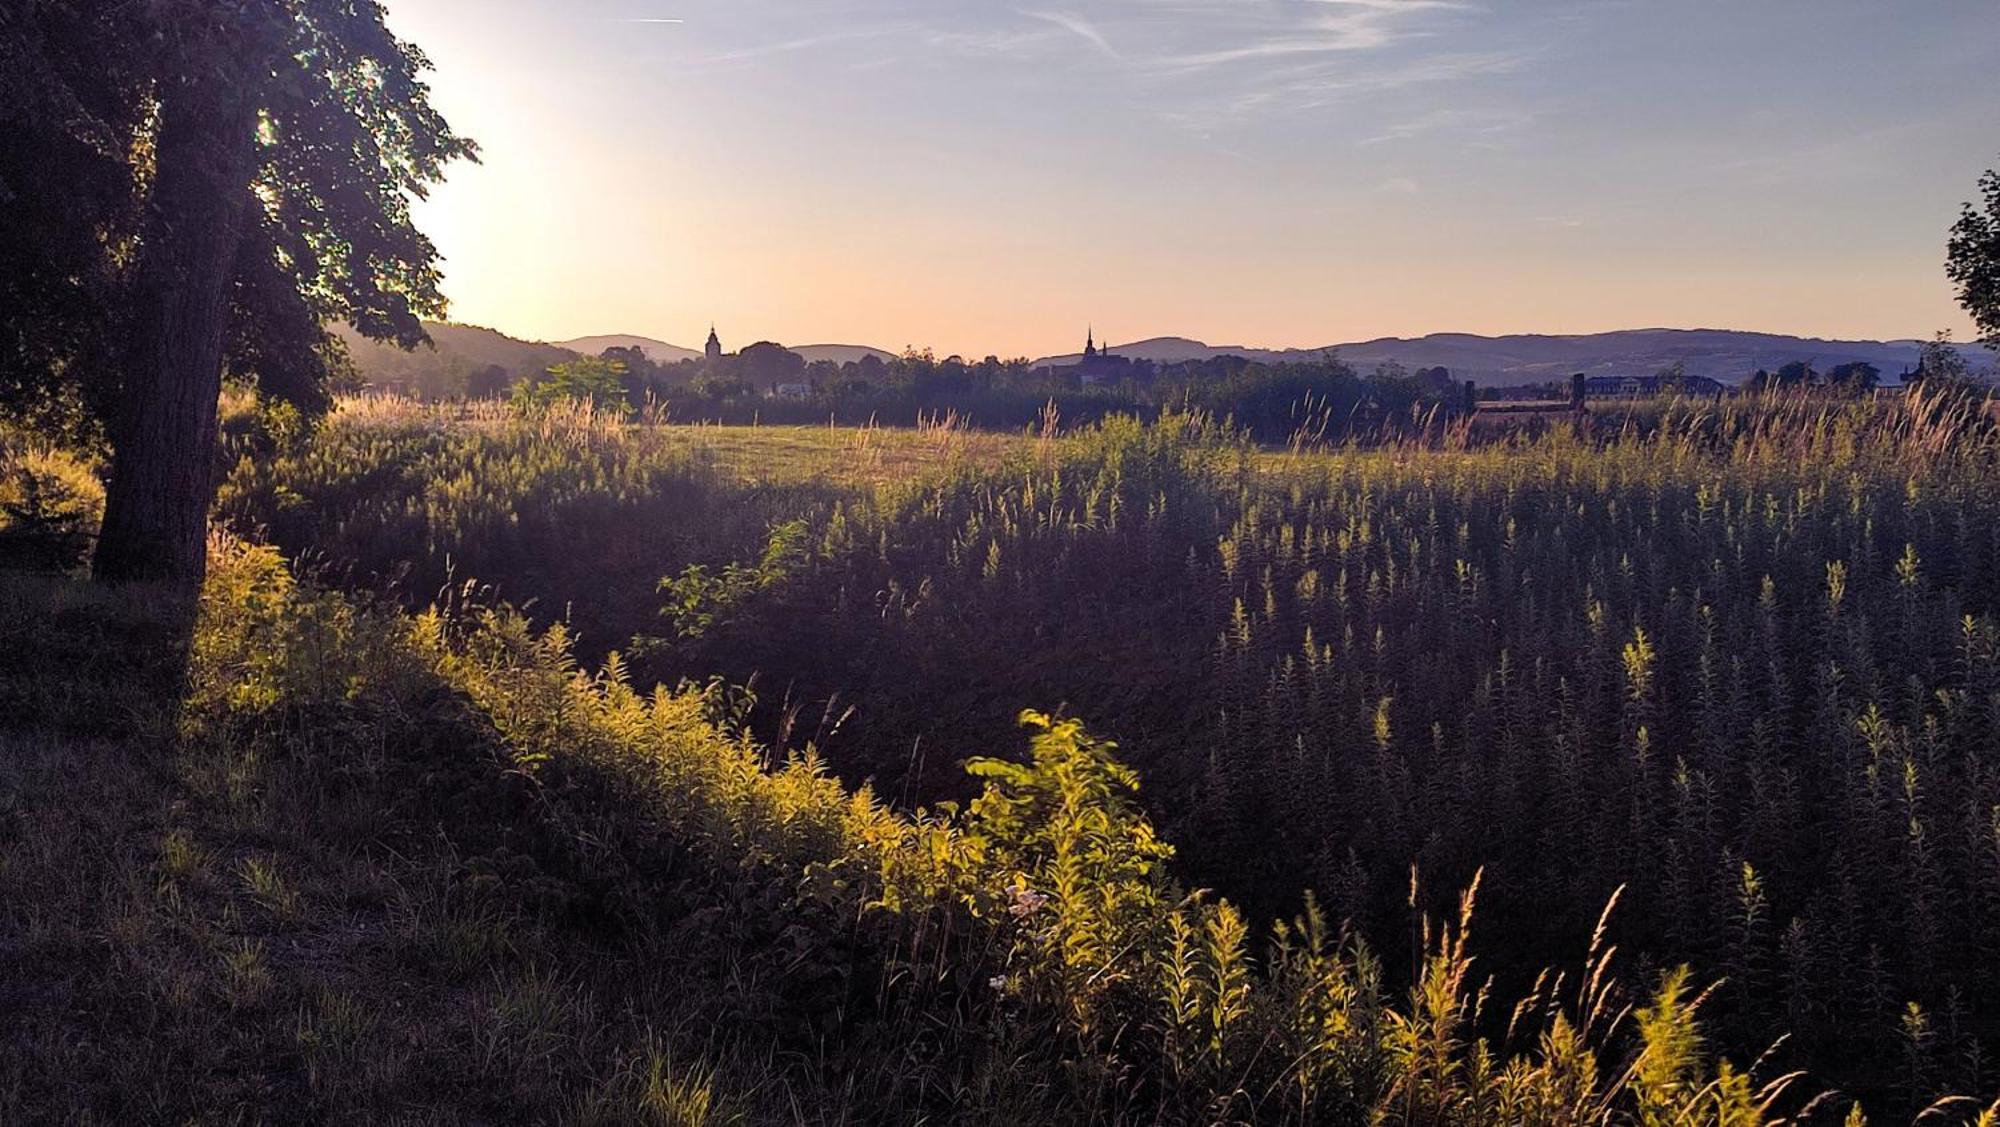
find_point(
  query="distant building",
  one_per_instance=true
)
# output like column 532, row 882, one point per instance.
column 1098, row 365
column 1640, row 387
column 793, row 391
column 713, row 352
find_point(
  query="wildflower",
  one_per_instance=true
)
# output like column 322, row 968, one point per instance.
column 1026, row 902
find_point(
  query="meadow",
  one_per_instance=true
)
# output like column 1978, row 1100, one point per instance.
column 1642, row 771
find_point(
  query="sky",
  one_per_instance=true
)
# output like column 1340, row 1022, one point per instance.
column 994, row 178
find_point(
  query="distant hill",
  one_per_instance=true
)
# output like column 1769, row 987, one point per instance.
column 1723, row 354
column 1175, row 350
column 658, row 351
column 457, row 352
column 462, row 350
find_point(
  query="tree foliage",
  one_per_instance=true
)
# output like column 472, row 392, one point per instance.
column 193, row 188
column 1973, row 258
column 767, row 365
column 345, row 137
column 598, row 382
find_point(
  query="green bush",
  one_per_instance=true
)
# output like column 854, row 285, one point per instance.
column 51, row 504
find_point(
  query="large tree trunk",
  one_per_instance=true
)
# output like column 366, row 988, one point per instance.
column 163, row 439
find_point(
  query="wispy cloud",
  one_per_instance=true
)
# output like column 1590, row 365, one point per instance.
column 1319, row 84
column 1206, row 63
column 1338, row 27
column 1482, row 123
column 1201, row 63
column 1079, row 27
column 1396, row 5
column 1194, row 35
column 801, row 43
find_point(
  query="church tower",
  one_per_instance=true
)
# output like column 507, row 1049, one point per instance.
column 1090, row 343
column 714, row 351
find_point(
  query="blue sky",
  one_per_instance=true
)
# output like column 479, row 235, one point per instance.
column 988, row 177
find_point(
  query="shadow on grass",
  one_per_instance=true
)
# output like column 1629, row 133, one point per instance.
column 91, row 661
column 358, row 907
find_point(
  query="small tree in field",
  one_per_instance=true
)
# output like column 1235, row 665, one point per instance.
column 598, row 381
column 1856, row 377
column 194, row 187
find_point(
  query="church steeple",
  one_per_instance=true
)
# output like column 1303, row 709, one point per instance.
column 1090, row 342
column 714, row 350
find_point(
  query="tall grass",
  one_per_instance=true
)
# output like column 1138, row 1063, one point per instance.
column 1738, row 659
column 1031, row 950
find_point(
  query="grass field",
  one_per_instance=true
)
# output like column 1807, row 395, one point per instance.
column 389, row 849
column 854, row 456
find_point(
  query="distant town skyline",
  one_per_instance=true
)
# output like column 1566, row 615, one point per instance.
column 1268, row 173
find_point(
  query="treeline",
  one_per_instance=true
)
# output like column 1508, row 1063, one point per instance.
column 768, row 384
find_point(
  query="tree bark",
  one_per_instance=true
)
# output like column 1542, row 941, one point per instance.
column 163, row 440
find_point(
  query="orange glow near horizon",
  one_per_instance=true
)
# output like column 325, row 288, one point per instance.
column 985, row 183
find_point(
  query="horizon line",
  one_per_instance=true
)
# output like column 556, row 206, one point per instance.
column 1881, row 340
